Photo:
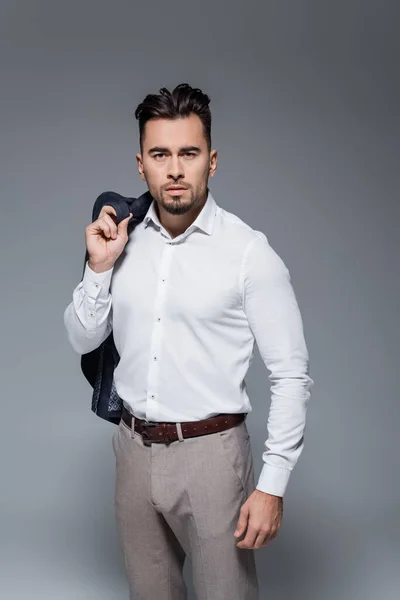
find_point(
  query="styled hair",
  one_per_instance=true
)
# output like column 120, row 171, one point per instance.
column 181, row 102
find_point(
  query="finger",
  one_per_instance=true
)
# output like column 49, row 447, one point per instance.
column 113, row 229
column 103, row 227
column 273, row 534
column 262, row 540
column 109, row 210
column 242, row 522
column 250, row 538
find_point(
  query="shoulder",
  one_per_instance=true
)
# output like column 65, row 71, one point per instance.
column 257, row 256
column 232, row 226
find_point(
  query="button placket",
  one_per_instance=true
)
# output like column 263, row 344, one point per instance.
column 157, row 332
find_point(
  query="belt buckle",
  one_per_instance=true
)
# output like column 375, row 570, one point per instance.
column 165, row 438
column 146, row 441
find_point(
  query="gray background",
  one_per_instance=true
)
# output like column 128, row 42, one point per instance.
column 305, row 99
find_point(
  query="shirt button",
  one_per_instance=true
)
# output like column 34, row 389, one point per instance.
column 96, row 285
column 155, row 357
column 152, row 395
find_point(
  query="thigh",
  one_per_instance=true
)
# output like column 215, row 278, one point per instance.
column 219, row 474
column 146, row 538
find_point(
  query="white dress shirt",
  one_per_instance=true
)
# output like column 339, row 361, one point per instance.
column 185, row 314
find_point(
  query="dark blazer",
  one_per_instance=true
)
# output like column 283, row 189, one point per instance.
column 99, row 364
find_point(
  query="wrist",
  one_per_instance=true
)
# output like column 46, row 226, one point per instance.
column 100, row 267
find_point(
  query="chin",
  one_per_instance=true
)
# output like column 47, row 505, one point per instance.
column 171, row 200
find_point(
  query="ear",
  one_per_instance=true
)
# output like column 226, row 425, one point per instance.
column 213, row 162
column 140, row 166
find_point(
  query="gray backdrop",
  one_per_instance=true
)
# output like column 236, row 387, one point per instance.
column 305, row 98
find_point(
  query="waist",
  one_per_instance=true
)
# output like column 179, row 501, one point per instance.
column 167, row 431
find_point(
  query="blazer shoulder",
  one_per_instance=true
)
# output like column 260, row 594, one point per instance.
column 123, row 205
column 117, row 201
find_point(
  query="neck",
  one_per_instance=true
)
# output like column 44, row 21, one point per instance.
column 177, row 224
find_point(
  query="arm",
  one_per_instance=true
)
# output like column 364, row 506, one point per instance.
column 88, row 318
column 274, row 318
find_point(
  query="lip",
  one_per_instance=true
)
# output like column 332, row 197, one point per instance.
column 176, row 191
column 176, row 188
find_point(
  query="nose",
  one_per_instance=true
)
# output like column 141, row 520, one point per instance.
column 175, row 169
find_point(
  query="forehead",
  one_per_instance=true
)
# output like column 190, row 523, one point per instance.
column 174, row 133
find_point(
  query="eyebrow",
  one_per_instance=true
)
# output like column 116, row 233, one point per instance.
column 182, row 149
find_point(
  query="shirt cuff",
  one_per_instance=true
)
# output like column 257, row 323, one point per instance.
column 273, row 480
column 96, row 285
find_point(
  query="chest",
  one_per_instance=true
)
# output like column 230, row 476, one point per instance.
column 197, row 281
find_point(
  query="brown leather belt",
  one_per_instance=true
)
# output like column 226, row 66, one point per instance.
column 167, row 432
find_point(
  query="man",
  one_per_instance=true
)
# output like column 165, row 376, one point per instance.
column 187, row 295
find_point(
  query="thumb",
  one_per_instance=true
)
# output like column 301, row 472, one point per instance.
column 123, row 225
column 242, row 523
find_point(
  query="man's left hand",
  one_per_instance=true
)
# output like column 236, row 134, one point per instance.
column 262, row 515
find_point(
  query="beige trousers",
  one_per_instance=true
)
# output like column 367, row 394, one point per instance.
column 183, row 499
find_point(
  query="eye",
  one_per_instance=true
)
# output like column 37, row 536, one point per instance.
column 158, row 154
column 190, row 154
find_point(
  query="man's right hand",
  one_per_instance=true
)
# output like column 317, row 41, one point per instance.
column 105, row 240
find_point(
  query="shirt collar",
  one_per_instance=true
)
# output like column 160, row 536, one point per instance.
column 203, row 221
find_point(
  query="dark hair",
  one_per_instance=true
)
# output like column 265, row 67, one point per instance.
column 182, row 101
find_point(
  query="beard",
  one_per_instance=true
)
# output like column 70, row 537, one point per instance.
column 179, row 205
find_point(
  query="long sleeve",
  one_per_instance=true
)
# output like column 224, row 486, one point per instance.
column 88, row 317
column 275, row 320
